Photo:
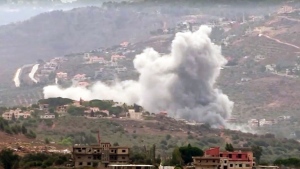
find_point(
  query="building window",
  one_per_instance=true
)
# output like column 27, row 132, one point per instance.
column 80, row 163
column 221, row 155
column 225, row 161
column 241, row 165
column 89, row 157
column 123, row 151
column 123, row 157
column 213, row 161
column 230, row 155
column 239, row 156
column 79, row 157
column 231, row 165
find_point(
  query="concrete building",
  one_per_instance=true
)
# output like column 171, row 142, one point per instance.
column 17, row 113
column 47, row 116
column 99, row 156
column 130, row 166
column 62, row 75
column 215, row 159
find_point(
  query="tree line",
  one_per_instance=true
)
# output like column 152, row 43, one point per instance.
column 8, row 128
column 10, row 160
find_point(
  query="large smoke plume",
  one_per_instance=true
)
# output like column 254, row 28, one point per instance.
column 182, row 82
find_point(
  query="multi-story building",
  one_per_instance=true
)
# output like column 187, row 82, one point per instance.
column 99, row 156
column 17, row 113
column 214, row 158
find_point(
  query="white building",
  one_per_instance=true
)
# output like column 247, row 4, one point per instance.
column 62, row 75
column 80, row 77
column 134, row 115
column 17, row 113
column 47, row 116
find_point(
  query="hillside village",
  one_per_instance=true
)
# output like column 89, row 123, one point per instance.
column 246, row 68
column 261, row 77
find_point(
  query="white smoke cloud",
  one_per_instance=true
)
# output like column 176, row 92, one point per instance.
column 181, row 82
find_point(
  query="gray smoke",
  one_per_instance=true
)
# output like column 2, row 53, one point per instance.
column 182, row 82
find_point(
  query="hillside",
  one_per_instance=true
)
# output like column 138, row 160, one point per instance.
column 80, row 122
column 58, row 33
column 158, row 131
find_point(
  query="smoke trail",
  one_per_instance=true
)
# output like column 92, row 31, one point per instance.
column 181, row 82
column 32, row 73
column 17, row 78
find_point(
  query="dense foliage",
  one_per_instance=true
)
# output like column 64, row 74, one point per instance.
column 15, row 129
column 289, row 162
column 229, row 147
column 11, row 160
column 54, row 102
column 187, row 152
column 8, row 159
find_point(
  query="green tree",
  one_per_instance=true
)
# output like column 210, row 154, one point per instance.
column 13, row 117
column 176, row 157
column 187, row 152
column 257, row 152
column 24, row 130
column 75, row 111
column 47, row 141
column 229, row 147
column 8, row 159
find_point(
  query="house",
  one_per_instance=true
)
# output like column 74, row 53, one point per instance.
column 83, row 84
column 96, row 59
column 62, row 75
column 253, row 122
column 78, row 103
column 264, row 122
column 282, row 118
column 86, row 56
column 17, row 113
column 44, row 107
column 50, row 65
column 245, row 79
column 232, row 120
column 47, row 116
column 136, row 115
column 95, row 109
column 162, row 113
column 99, row 155
column 117, row 57
column 80, row 77
column 62, row 110
column 271, row 68
column 124, row 44
column 214, row 158
column 57, row 60
column 47, row 71
column 121, row 69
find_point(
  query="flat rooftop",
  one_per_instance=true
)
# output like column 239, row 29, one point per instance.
column 130, row 165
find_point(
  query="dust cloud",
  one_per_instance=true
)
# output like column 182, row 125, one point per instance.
column 181, row 83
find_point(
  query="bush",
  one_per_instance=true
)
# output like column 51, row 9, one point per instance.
column 31, row 135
